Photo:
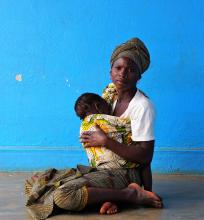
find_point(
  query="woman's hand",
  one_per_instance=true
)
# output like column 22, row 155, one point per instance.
column 94, row 138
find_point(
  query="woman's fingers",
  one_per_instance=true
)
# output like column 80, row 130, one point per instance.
column 84, row 139
column 85, row 135
column 88, row 133
column 95, row 138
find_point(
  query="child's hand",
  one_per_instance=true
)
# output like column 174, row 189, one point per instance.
column 94, row 138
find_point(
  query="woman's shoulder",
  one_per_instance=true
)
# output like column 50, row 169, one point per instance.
column 139, row 106
column 141, row 101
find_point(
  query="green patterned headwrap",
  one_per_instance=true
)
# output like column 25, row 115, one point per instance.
column 135, row 50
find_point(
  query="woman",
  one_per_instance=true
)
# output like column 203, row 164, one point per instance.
column 74, row 189
column 128, row 62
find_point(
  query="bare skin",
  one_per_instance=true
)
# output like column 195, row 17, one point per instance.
column 125, row 76
column 145, row 197
column 133, row 194
column 108, row 208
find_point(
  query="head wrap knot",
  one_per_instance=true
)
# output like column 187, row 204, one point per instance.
column 135, row 50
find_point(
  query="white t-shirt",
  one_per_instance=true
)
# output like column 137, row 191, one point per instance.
column 142, row 115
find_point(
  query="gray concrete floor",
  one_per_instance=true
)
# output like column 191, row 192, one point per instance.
column 183, row 199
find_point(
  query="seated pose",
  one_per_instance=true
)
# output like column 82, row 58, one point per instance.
column 78, row 188
column 94, row 111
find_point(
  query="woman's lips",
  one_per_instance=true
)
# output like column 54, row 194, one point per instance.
column 122, row 82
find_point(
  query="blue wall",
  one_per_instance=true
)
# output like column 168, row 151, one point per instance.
column 52, row 51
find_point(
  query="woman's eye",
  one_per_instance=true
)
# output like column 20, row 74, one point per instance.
column 131, row 70
column 118, row 68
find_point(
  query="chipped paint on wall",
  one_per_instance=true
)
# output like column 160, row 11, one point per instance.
column 68, row 83
column 19, row 77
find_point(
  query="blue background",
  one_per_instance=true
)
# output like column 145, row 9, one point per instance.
column 62, row 49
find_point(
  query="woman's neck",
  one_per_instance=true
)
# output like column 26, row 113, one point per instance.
column 127, row 95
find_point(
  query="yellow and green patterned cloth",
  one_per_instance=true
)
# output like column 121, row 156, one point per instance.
column 110, row 93
column 118, row 129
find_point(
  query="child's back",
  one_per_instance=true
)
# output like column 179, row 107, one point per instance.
column 116, row 128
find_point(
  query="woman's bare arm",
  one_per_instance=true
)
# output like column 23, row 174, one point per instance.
column 138, row 152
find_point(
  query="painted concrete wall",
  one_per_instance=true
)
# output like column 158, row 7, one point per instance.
column 52, row 51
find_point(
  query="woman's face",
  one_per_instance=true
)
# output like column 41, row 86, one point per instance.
column 124, row 74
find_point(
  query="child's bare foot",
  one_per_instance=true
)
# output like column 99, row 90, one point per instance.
column 109, row 208
column 145, row 197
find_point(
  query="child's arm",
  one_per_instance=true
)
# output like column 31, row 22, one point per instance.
column 146, row 177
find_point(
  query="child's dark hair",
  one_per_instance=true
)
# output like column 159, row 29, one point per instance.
column 85, row 102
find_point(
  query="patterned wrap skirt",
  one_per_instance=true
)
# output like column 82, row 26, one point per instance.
column 67, row 189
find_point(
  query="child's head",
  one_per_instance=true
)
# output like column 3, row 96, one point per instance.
column 90, row 103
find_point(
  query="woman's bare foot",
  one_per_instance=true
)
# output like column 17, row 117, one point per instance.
column 144, row 197
column 109, row 208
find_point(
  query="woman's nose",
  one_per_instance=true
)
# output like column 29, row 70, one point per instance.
column 123, row 73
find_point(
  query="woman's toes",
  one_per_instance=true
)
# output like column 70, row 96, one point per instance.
column 105, row 207
column 108, row 208
column 113, row 209
column 159, row 197
column 158, row 204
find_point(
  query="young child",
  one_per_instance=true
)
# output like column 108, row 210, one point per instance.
column 94, row 110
